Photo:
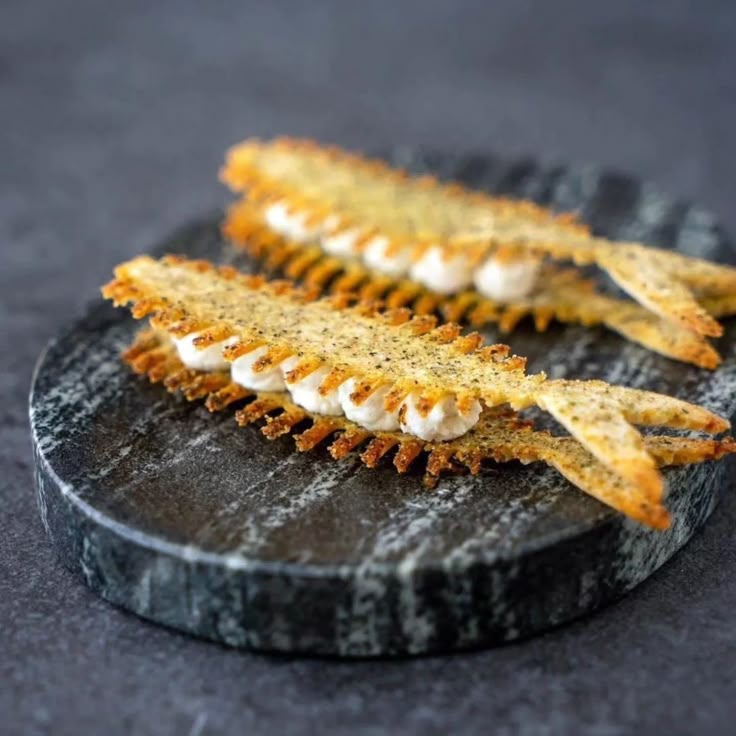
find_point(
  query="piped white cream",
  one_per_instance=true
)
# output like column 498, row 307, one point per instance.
column 443, row 275
column 288, row 223
column 305, row 392
column 507, row 281
column 444, row 421
column 370, row 414
column 206, row 359
column 271, row 379
column 341, row 244
column 376, row 256
column 499, row 279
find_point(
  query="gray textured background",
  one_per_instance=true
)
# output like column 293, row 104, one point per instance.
column 112, row 123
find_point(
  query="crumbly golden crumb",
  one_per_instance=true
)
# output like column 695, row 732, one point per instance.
column 420, row 212
column 408, row 355
column 563, row 295
column 501, row 435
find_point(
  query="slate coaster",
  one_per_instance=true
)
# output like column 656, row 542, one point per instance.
column 185, row 519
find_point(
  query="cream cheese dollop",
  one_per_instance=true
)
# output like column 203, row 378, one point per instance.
column 375, row 255
column 288, row 223
column 440, row 274
column 444, row 421
column 305, row 392
column 207, row 359
column 499, row 279
column 370, row 414
column 342, row 243
column 271, row 379
column 507, row 280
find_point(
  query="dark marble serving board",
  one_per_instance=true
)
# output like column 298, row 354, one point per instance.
column 188, row 520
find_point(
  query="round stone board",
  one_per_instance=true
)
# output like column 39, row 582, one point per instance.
column 188, row 520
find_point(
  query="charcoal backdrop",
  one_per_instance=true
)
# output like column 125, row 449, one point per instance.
column 113, row 120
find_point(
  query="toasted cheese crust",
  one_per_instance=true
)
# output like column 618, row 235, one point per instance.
column 501, row 435
column 417, row 213
column 409, row 355
column 563, row 295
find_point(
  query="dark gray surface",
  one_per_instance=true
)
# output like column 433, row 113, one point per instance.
column 113, row 122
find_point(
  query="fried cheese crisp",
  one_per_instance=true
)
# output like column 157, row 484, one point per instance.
column 416, row 364
column 500, row 435
column 560, row 294
column 396, row 221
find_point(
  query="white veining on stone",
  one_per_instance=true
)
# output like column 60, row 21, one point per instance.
column 290, row 505
column 697, row 235
column 574, row 189
column 234, row 510
column 407, row 532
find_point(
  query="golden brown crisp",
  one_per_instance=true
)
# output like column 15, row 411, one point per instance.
column 501, row 435
column 407, row 355
column 563, row 295
column 419, row 212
